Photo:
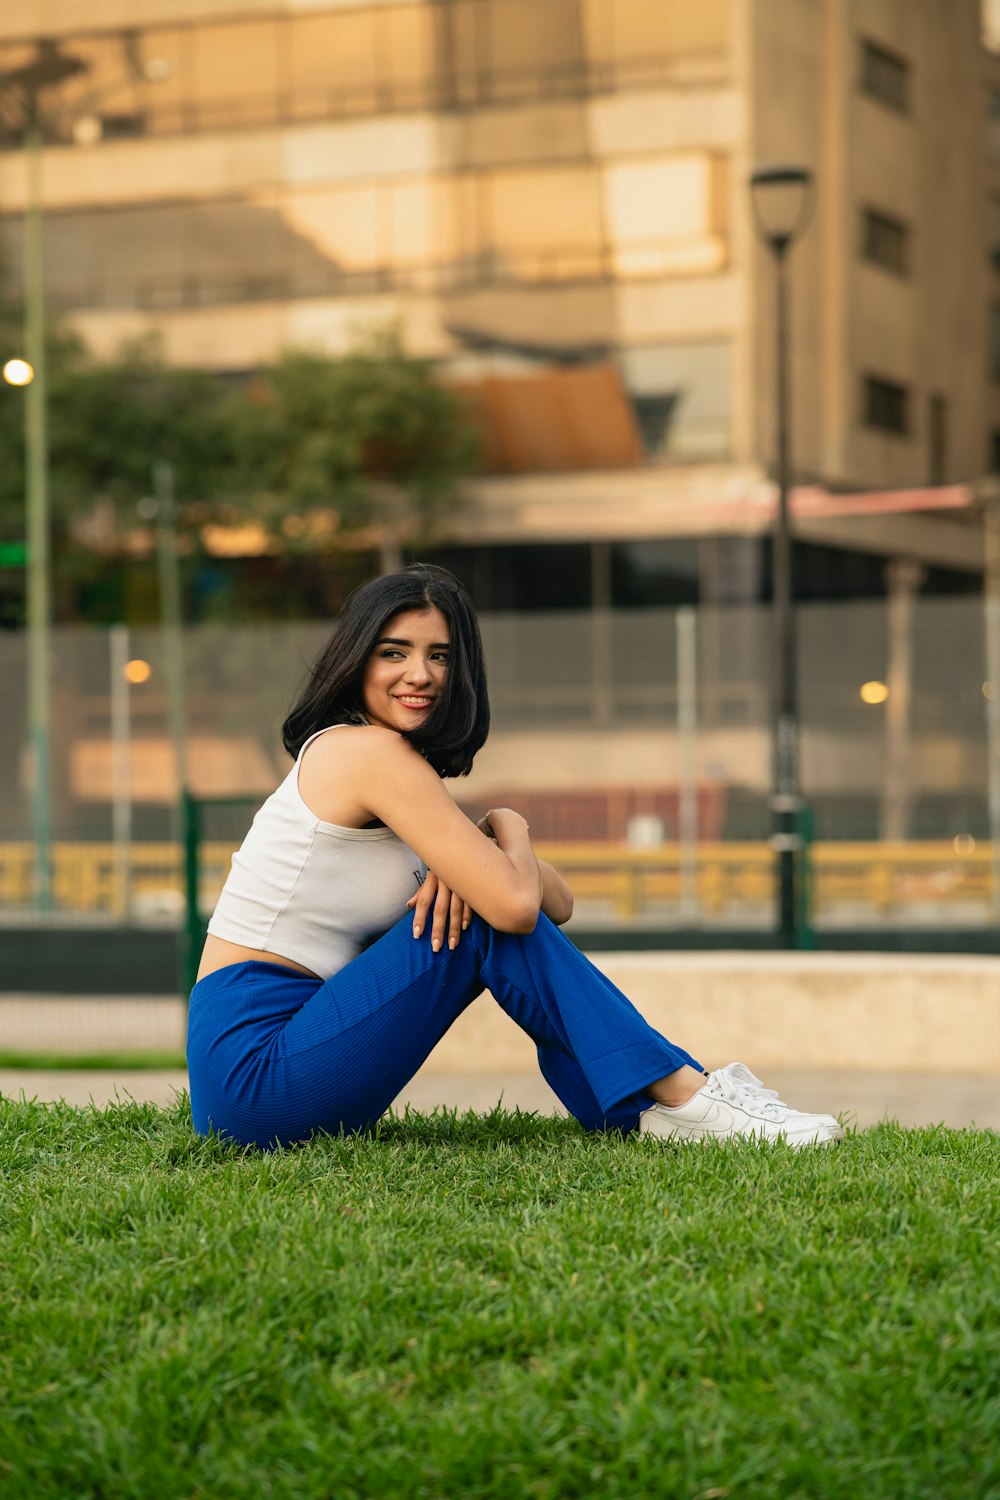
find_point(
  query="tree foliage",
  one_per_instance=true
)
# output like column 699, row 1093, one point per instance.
column 371, row 437
column 311, row 447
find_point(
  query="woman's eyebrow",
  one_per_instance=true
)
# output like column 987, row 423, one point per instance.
column 395, row 640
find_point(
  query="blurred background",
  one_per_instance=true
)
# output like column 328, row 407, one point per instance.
column 672, row 329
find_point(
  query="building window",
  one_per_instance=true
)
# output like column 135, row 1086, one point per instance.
column 886, row 405
column 885, row 241
column 682, row 396
column 653, row 414
column 937, row 436
column 885, row 76
column 511, row 578
column 348, row 59
column 663, row 215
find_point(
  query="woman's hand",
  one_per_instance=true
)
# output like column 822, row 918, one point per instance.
column 452, row 915
column 389, row 781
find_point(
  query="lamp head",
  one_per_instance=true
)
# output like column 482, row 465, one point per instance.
column 782, row 202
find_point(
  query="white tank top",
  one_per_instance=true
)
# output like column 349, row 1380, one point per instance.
column 312, row 891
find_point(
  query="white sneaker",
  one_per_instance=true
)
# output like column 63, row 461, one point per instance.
column 733, row 1102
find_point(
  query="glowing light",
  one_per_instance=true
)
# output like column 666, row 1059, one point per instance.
column 18, row 372
column 137, row 670
column 873, row 692
column 989, row 691
column 87, row 130
column 963, row 843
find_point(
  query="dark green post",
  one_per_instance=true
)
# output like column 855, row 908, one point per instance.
column 805, row 935
column 192, row 933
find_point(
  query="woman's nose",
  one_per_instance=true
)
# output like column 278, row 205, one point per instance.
column 417, row 670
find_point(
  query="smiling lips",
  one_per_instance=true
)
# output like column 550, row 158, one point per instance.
column 414, row 701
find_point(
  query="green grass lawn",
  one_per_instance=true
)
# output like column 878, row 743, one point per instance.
column 74, row 1062
column 493, row 1306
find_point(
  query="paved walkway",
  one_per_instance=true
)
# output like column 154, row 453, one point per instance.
column 866, row 1098
column 803, row 1022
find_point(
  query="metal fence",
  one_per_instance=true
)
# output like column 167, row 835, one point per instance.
column 638, row 742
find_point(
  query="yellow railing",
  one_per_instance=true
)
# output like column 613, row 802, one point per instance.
column 879, row 878
column 876, row 879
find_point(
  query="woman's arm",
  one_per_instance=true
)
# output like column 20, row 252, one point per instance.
column 447, row 915
column 381, row 775
column 557, row 898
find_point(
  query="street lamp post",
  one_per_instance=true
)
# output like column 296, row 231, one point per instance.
column 781, row 203
column 37, row 561
column 48, row 68
column 25, row 86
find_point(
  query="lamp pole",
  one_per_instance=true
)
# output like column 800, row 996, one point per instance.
column 46, row 70
column 786, row 801
column 38, row 564
column 780, row 199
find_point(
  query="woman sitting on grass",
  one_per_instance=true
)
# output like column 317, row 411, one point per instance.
column 365, row 911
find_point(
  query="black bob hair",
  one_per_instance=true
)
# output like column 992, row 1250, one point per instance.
column 457, row 726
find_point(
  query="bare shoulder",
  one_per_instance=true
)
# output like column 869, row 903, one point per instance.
column 382, row 753
column 360, row 744
column 332, row 742
column 339, row 770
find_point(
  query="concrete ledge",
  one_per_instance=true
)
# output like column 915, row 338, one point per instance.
column 899, row 1013
column 875, row 1012
column 74, row 1024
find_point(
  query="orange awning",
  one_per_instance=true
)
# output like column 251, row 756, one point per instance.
column 578, row 418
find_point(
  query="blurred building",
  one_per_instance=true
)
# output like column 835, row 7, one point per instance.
column 550, row 196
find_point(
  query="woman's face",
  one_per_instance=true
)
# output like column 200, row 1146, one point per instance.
column 405, row 673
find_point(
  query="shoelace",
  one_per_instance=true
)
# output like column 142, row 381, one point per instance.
column 741, row 1086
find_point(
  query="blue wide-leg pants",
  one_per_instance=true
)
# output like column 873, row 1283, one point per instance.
column 274, row 1055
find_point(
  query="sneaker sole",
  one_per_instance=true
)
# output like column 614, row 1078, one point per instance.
column 700, row 1137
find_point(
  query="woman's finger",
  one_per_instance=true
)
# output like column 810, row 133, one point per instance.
column 442, row 909
column 421, row 902
column 466, row 915
column 455, row 920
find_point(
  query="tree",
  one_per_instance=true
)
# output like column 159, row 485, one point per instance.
column 108, row 421
column 347, row 444
column 315, row 450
